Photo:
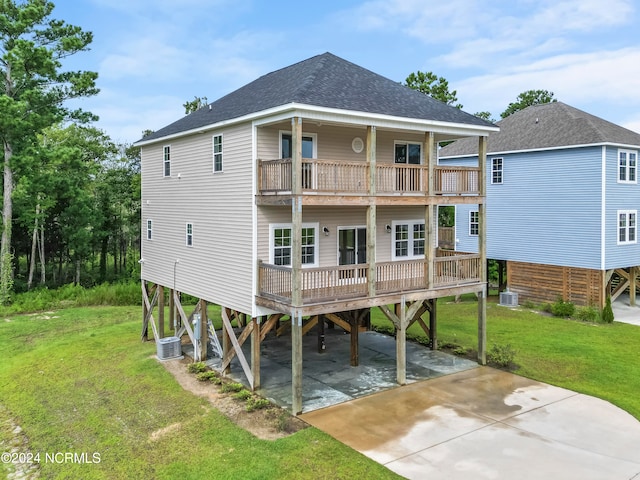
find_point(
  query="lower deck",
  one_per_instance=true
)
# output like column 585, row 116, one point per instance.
column 327, row 377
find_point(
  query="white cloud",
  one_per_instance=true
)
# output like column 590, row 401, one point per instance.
column 575, row 79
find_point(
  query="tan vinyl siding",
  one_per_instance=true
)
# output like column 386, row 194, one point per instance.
column 218, row 267
column 332, row 218
column 334, row 142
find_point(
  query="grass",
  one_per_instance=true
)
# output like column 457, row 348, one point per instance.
column 597, row 359
column 79, row 380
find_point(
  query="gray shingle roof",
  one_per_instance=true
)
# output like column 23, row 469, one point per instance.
column 546, row 126
column 324, row 81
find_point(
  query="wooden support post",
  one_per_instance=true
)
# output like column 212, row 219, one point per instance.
column 633, row 272
column 226, row 347
column 172, row 310
column 433, row 323
column 204, row 331
column 255, row 352
column 296, row 363
column 430, row 219
column 321, row 344
column 371, row 213
column 354, row 339
column 161, row 311
column 145, row 312
column 401, row 346
column 482, row 249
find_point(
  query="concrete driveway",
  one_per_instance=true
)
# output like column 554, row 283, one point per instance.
column 488, row 424
column 624, row 312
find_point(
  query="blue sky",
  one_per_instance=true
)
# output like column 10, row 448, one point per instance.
column 153, row 55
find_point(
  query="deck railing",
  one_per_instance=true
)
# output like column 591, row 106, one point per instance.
column 350, row 281
column 324, row 176
column 457, row 180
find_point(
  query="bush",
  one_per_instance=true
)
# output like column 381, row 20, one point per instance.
column 607, row 312
column 502, row 355
column 257, row 403
column 197, row 367
column 562, row 308
column 243, row 394
column 588, row 314
column 232, row 387
column 207, row 376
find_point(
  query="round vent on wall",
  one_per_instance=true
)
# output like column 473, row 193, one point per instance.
column 357, row 144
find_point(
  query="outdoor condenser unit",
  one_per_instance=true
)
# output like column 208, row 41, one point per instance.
column 168, row 348
column 508, row 299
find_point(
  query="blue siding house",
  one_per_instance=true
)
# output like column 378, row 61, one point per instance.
column 562, row 203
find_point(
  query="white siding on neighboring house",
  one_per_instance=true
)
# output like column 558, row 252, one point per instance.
column 218, row 267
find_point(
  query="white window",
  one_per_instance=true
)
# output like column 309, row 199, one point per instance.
column 189, row 235
column 496, row 170
column 627, row 226
column 217, row 153
column 281, row 244
column 474, row 223
column 149, row 229
column 167, row 161
column 406, row 152
column 627, row 166
column 408, row 239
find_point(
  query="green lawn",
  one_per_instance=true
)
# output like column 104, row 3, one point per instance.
column 79, row 380
column 592, row 358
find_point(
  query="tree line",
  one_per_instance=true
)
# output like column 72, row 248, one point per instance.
column 70, row 195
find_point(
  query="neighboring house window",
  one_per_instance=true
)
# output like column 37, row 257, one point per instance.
column 627, row 226
column 149, row 229
column 496, row 170
column 474, row 223
column 281, row 244
column 189, row 234
column 167, row 161
column 217, row 153
column 407, row 153
column 408, row 239
column 627, row 166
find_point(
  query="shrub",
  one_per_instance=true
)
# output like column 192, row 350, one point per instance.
column 607, row 312
column 563, row 308
column 232, row 387
column 588, row 314
column 243, row 394
column 197, row 367
column 207, row 376
column 257, row 403
column 502, row 355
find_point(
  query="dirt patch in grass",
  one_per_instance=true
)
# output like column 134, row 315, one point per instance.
column 268, row 423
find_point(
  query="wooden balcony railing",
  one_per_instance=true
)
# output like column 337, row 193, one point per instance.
column 350, row 281
column 323, row 176
column 457, row 180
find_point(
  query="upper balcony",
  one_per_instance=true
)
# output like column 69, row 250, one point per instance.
column 339, row 178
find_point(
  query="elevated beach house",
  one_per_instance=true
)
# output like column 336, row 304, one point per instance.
column 308, row 195
column 562, row 204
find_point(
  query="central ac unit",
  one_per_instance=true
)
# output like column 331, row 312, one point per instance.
column 508, row 299
column 169, row 348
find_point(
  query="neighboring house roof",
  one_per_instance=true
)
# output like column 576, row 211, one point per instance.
column 323, row 81
column 540, row 127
